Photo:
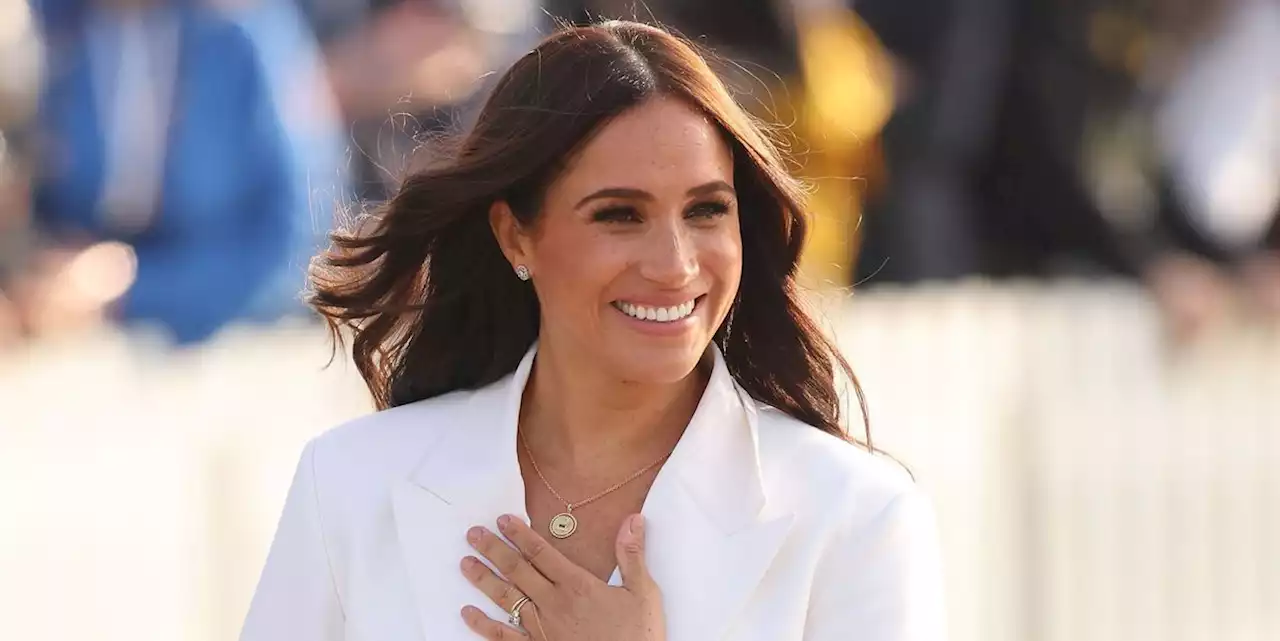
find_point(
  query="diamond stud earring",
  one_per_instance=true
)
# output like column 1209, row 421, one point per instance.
column 522, row 272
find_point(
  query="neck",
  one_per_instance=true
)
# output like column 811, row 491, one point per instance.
column 575, row 417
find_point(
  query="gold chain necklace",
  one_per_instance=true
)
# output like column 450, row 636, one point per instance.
column 563, row 525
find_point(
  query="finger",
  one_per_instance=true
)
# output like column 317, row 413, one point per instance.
column 630, row 552
column 488, row 628
column 509, row 562
column 531, row 622
column 549, row 561
column 500, row 592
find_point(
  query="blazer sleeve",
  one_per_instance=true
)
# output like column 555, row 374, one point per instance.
column 297, row 596
column 882, row 580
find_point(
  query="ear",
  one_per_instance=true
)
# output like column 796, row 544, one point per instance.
column 512, row 239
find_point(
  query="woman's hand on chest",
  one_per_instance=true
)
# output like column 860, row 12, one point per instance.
column 565, row 601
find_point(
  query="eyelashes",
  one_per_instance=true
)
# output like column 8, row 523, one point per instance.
column 616, row 215
column 709, row 209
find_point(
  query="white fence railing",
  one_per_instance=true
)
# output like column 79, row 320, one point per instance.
column 1092, row 484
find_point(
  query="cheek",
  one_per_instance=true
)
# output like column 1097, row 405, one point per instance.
column 574, row 269
column 722, row 258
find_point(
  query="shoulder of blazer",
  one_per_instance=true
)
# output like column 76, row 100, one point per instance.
column 369, row 452
column 824, row 476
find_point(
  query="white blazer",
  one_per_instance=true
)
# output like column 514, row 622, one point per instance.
column 759, row 528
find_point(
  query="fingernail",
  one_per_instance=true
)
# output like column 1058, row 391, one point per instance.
column 474, row 534
column 468, row 562
column 504, row 522
column 637, row 525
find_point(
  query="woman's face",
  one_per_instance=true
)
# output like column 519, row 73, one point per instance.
column 636, row 255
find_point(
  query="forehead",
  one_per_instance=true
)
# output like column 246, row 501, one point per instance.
column 660, row 145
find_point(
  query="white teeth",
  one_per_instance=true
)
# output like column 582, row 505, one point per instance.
column 657, row 314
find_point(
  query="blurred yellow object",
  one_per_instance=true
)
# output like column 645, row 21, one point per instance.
column 848, row 79
column 847, row 99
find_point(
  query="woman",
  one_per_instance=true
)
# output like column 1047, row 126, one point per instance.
column 587, row 316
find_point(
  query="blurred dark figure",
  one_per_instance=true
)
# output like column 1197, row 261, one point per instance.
column 409, row 71
column 1024, row 146
column 406, row 71
column 170, row 169
column 757, row 35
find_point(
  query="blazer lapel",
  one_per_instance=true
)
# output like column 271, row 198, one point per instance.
column 711, row 533
column 470, row 477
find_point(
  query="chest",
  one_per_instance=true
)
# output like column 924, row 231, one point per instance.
column 593, row 543
column 397, row 570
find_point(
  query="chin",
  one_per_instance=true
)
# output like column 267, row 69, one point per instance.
column 656, row 364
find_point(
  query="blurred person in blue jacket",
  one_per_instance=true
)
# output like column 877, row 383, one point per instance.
column 163, row 128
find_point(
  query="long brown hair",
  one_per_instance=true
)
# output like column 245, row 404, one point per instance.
column 432, row 304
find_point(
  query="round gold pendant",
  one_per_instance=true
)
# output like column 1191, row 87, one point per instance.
column 563, row 525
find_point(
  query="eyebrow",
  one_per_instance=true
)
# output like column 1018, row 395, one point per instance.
column 640, row 194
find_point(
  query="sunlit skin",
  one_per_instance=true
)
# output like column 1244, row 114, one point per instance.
column 645, row 214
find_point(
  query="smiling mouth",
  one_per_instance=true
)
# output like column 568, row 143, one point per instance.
column 669, row 314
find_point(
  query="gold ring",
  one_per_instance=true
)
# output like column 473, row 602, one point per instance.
column 514, row 619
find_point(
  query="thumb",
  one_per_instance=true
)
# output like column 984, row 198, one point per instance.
column 630, row 551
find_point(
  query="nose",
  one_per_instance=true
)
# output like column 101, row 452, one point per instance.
column 670, row 256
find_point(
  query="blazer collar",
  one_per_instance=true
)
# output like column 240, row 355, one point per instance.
column 716, row 461
column 711, row 531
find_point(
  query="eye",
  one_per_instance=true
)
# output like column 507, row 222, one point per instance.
column 709, row 209
column 619, row 214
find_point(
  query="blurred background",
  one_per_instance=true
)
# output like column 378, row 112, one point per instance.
column 1047, row 234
